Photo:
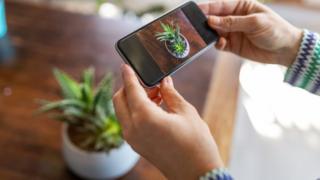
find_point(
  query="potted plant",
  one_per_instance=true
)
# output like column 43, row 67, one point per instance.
column 176, row 44
column 92, row 144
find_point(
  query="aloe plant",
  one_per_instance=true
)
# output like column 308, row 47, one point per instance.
column 171, row 34
column 86, row 110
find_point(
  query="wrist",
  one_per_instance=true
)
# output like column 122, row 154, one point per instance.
column 193, row 168
column 198, row 165
column 290, row 53
column 200, row 171
column 213, row 162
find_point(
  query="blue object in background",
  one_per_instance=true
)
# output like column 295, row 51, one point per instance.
column 3, row 24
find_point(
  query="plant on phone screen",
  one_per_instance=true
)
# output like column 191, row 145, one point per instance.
column 175, row 42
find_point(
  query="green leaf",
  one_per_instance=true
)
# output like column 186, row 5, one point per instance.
column 88, row 77
column 61, row 104
column 104, row 92
column 42, row 101
column 101, row 114
column 114, row 128
column 171, row 32
column 87, row 96
column 70, row 88
column 163, row 25
column 88, row 81
column 78, row 113
column 177, row 32
column 87, row 87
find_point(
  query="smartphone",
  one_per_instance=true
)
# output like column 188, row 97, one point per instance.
column 166, row 44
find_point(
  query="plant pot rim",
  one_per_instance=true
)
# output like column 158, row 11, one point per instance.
column 77, row 149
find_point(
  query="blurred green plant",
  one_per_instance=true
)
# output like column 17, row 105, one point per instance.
column 99, row 3
column 171, row 34
column 90, row 112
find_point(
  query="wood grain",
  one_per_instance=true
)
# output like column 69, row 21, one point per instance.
column 44, row 38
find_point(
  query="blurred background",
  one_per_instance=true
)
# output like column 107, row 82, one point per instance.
column 144, row 11
column 277, row 127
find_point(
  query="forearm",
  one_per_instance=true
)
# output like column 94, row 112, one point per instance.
column 305, row 70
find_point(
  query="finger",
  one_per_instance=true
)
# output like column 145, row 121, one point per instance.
column 221, row 33
column 153, row 92
column 245, row 24
column 221, row 44
column 157, row 100
column 121, row 108
column 222, row 8
column 173, row 100
column 204, row 7
column 135, row 93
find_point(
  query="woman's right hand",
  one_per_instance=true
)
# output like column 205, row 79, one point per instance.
column 175, row 138
column 252, row 30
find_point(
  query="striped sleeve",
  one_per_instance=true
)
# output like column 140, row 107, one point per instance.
column 305, row 71
column 217, row 174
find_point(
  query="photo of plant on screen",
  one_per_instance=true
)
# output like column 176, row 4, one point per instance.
column 171, row 41
column 176, row 44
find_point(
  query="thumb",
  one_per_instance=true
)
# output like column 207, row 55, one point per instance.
column 244, row 24
column 171, row 97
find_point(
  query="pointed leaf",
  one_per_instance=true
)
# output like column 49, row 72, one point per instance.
column 104, row 92
column 88, row 77
column 70, row 88
column 61, row 104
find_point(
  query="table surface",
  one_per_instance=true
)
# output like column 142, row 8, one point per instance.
column 45, row 38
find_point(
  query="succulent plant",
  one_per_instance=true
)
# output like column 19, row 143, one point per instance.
column 90, row 112
column 171, row 34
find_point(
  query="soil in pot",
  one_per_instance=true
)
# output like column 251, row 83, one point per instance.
column 78, row 136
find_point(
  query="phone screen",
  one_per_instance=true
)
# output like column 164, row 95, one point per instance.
column 166, row 44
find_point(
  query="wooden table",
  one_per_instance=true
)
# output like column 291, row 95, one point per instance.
column 44, row 38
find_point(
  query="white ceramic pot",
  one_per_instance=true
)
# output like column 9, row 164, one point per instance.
column 98, row 165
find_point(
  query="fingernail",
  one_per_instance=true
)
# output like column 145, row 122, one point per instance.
column 169, row 81
column 166, row 80
column 214, row 20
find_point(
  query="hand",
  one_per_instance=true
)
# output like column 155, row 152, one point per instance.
column 176, row 140
column 252, row 30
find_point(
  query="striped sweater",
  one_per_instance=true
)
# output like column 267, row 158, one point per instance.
column 305, row 71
